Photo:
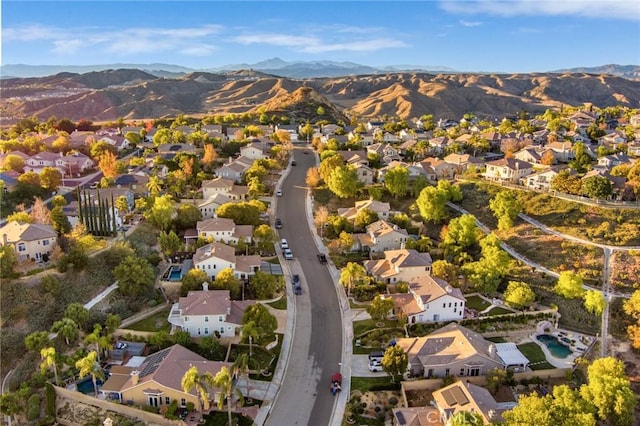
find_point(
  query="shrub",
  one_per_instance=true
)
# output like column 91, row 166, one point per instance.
column 51, row 400
column 33, row 407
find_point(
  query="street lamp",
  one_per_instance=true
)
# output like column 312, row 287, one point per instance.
column 341, row 364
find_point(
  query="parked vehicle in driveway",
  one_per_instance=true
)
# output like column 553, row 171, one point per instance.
column 375, row 366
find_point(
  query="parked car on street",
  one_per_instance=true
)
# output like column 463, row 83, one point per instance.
column 288, row 254
column 279, row 193
column 278, row 224
column 322, row 258
column 284, row 244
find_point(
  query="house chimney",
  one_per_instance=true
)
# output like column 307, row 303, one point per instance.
column 205, row 286
column 5, row 239
column 492, row 350
column 135, row 377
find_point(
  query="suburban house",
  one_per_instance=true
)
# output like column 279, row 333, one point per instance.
column 216, row 256
column 74, row 164
column 10, row 180
column 617, row 182
column 235, row 169
column 255, row 150
column 508, row 170
column 610, row 161
column 210, row 205
column 157, row 381
column 383, row 210
column 224, row 230
column 384, row 151
column 467, row 397
column 452, row 350
column 425, row 415
column 207, row 312
column 430, row 299
column 439, row 145
column 461, row 162
column 399, row 265
column 31, row 241
column 422, row 169
column 221, row 185
column 532, row 155
column 541, row 180
column 633, row 149
column 364, row 173
column 563, row 151
column 441, row 168
column 119, row 142
column 354, row 157
column 615, row 137
column 39, row 161
column 380, row 236
column 136, row 181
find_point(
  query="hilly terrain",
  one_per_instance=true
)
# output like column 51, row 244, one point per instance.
column 130, row 93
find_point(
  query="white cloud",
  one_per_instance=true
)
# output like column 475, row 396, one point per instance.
column 317, row 45
column 470, row 23
column 31, row 33
column 620, row 9
column 199, row 50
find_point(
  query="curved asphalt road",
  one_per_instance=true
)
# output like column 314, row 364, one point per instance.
column 304, row 397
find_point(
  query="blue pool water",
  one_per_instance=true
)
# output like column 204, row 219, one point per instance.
column 86, row 385
column 175, row 273
column 556, row 348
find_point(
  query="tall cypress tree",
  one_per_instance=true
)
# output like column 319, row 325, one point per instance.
column 113, row 212
column 80, row 209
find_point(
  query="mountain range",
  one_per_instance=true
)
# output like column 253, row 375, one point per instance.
column 136, row 94
column 281, row 68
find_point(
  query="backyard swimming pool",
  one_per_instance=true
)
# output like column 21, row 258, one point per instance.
column 173, row 274
column 86, row 385
column 556, row 348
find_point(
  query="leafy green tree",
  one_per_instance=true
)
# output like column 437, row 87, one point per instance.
column 352, row 274
column 20, row 216
column 263, row 285
column 135, row 276
column 48, row 356
column 192, row 379
column 78, row 313
column 8, row 261
column 582, row 161
column 112, row 322
column 569, row 285
column 432, row 204
column 462, row 232
column 365, row 217
column 519, row 295
column 565, row 182
column 192, row 281
column 328, row 165
column 495, row 378
column 223, row 381
column 346, row 241
column 396, row 180
column 505, row 207
column 313, row 177
column 154, row 185
column 37, row 341
column 59, row 221
column 454, row 193
column 211, row 348
column 395, row 362
column 50, row 178
column 264, row 237
column 161, row 213
column 445, row 270
column 343, row 182
column 243, row 212
column 226, row 280
column 14, row 403
column 485, row 274
column 609, row 390
column 169, row 243
column 67, row 328
column 13, row 162
column 594, row 302
column 264, row 323
column 380, row 307
column 597, row 187
column 162, row 136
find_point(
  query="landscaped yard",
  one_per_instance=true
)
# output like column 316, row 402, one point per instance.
column 477, row 303
column 156, row 322
column 280, row 303
column 364, row 384
column 536, row 357
column 499, row 311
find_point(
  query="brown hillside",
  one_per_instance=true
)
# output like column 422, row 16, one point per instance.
column 108, row 95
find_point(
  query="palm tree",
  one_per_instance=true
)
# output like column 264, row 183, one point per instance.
column 48, row 356
column 241, row 366
column 154, row 185
column 193, row 379
column 252, row 332
column 94, row 338
column 224, row 381
column 89, row 366
column 351, row 274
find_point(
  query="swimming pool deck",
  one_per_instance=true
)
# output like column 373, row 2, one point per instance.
column 576, row 349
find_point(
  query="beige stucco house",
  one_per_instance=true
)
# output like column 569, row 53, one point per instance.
column 467, row 397
column 31, row 241
column 429, row 299
column 399, row 265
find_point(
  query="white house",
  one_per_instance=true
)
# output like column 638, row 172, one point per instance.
column 216, row 256
column 31, row 241
column 255, row 151
column 380, row 236
column 224, row 186
column 540, row 180
column 508, row 170
column 382, row 209
column 39, row 161
column 429, row 299
column 399, row 265
column 224, row 230
column 209, row 206
column 208, row 312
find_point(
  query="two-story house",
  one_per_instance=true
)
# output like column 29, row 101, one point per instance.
column 452, row 350
column 207, row 312
column 74, row 164
column 157, row 381
column 221, row 185
column 399, row 265
column 508, row 170
column 224, row 230
column 255, row 150
column 31, row 241
column 430, row 299
column 610, row 161
column 380, row 236
column 235, row 169
column 365, row 173
column 216, row 256
column 384, row 151
column 382, row 209
column 541, row 180
column 39, row 161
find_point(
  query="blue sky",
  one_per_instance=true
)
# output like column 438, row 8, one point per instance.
column 484, row 35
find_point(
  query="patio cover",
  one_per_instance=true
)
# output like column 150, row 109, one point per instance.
column 511, row 355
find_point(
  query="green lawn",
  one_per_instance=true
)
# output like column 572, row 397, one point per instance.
column 364, row 384
column 496, row 339
column 536, row 357
column 280, row 303
column 477, row 303
column 499, row 311
column 274, row 260
column 360, row 327
column 156, row 322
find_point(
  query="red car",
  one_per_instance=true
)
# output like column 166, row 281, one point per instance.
column 336, row 383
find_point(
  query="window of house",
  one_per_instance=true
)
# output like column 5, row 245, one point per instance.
column 220, row 318
column 22, row 247
column 455, row 309
column 167, row 400
column 446, row 372
column 474, row 371
column 45, row 242
column 455, row 304
column 462, row 371
column 444, row 305
column 183, row 402
column 449, row 304
column 206, row 330
column 186, row 319
column 221, row 330
column 206, row 319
